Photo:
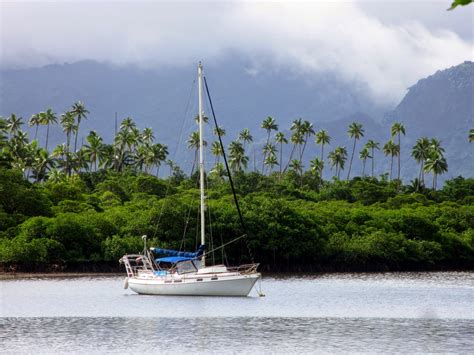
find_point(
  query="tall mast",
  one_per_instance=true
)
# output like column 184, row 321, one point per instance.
column 201, row 161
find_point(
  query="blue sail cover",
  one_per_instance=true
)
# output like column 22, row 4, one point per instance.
column 172, row 259
column 185, row 254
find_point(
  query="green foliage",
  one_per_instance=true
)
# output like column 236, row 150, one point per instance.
column 292, row 221
column 456, row 3
column 115, row 247
column 150, row 185
column 20, row 197
column 71, row 190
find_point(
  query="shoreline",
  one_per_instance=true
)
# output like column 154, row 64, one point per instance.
column 52, row 275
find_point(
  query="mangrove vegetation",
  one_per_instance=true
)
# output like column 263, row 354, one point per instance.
column 82, row 206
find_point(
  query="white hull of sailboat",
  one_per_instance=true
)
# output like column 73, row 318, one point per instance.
column 239, row 285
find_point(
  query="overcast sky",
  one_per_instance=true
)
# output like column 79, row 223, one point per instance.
column 387, row 45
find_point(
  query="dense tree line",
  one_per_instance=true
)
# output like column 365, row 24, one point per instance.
column 361, row 224
column 90, row 203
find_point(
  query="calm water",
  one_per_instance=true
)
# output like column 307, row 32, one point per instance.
column 416, row 312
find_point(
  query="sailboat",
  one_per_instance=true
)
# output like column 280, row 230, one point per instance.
column 187, row 273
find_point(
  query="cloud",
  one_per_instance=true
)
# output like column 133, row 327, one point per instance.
column 387, row 56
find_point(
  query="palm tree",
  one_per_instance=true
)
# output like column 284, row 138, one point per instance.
column 110, row 157
column 18, row 151
column 436, row 164
column 43, row 162
column 397, row 130
column 95, row 148
column 67, row 121
column 216, row 150
column 391, row 149
column 338, row 159
column 147, row 136
column 323, row 138
column 372, row 145
column 79, row 111
column 316, row 166
column 471, row 135
column 14, row 124
column 193, row 143
column 143, row 157
column 280, row 138
column 355, row 131
column 296, row 166
column 245, row 136
column 3, row 132
column 435, row 146
column 296, row 138
column 364, row 154
column 160, row 153
column 307, row 131
column 80, row 160
column 127, row 124
column 205, row 119
column 237, row 158
column 420, row 152
column 35, row 120
column 218, row 171
column 59, row 153
column 47, row 118
column 270, row 161
column 219, row 131
column 28, row 151
column 56, row 176
column 269, row 150
column 269, row 124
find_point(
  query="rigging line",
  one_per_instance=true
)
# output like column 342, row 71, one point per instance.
column 228, row 170
column 223, row 245
column 175, row 153
column 211, row 239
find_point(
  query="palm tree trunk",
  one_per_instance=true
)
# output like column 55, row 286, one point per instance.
column 36, row 130
column 264, row 153
column 47, row 137
column 363, row 169
column 75, row 139
column 352, row 157
column 322, row 160
column 391, row 168
column 399, row 155
column 434, row 180
column 304, row 147
column 423, row 171
column 420, row 174
column 281, row 156
column 373, row 157
column 291, row 156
